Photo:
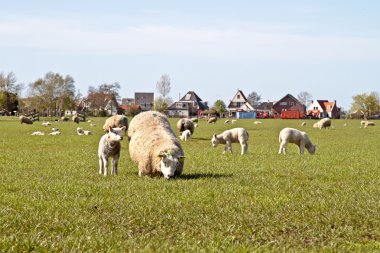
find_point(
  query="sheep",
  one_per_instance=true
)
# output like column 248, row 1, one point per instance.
column 303, row 123
column 195, row 125
column 226, row 121
column 185, row 124
column 116, row 121
column 46, row 124
column 153, row 145
column 87, row 132
column 75, row 118
column 38, row 133
column 301, row 139
column 195, row 120
column 211, row 120
column 186, row 135
column 368, row 123
column 26, row 120
column 54, row 129
column 233, row 121
column 109, row 146
column 55, row 133
column 80, row 131
column 257, row 122
column 234, row 135
column 323, row 123
column 92, row 124
column 64, row 118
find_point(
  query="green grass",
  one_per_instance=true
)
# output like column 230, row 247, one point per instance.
column 52, row 198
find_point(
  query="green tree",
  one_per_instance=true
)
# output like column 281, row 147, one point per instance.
column 219, row 106
column 162, row 104
column 368, row 103
column 10, row 91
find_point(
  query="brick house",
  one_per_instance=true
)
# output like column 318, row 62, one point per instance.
column 189, row 105
column 288, row 103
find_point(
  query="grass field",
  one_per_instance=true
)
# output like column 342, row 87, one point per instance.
column 53, row 199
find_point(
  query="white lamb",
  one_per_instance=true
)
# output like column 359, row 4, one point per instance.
column 153, row 145
column 55, row 133
column 235, row 135
column 109, row 146
column 212, row 120
column 257, row 122
column 323, row 123
column 301, row 139
column 186, row 135
column 38, row 133
column 46, row 123
column 366, row 123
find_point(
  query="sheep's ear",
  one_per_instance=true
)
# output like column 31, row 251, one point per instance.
column 109, row 129
column 181, row 159
column 214, row 136
column 123, row 128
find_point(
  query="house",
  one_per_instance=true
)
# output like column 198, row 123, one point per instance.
column 264, row 110
column 239, row 103
column 189, row 105
column 144, row 100
column 127, row 101
column 288, row 103
column 323, row 109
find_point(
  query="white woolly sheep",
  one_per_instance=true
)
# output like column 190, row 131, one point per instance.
column 212, row 120
column 55, row 133
column 234, row 135
column 109, row 146
column 153, row 145
column 186, row 135
column 323, row 123
column 116, row 121
column 38, row 133
column 80, row 131
column 26, row 120
column 303, row 123
column 301, row 139
column 46, row 123
column 257, row 122
column 185, row 124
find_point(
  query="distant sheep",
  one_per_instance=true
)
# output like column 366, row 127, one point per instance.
column 195, row 120
column 75, row 118
column 301, row 139
column 109, row 146
column 64, row 118
column 303, row 123
column 26, row 120
column 55, row 133
column 153, row 145
column 367, row 123
column 38, row 133
column 54, row 129
column 211, row 120
column 186, row 135
column 257, row 122
column 116, row 121
column 46, row 123
column 323, row 123
column 233, row 121
column 226, row 121
column 235, row 135
column 185, row 124
column 80, row 131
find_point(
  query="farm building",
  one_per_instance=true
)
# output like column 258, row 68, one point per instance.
column 189, row 105
column 288, row 103
column 239, row 103
column 323, row 109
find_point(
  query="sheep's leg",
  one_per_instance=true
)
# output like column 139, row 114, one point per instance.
column 227, row 147
column 244, row 148
column 282, row 148
column 115, row 161
column 302, row 148
column 100, row 165
column 140, row 173
column 105, row 166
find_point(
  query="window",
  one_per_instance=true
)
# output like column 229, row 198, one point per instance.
column 179, row 105
column 283, row 103
column 238, row 104
column 291, row 103
column 238, row 96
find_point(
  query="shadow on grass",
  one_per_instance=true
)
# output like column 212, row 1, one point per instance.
column 201, row 139
column 193, row 176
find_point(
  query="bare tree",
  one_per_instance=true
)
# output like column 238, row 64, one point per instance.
column 163, row 86
column 304, row 97
column 254, row 99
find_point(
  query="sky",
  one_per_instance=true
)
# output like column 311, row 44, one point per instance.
column 329, row 48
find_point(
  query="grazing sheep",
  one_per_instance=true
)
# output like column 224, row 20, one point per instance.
column 64, row 118
column 257, row 122
column 186, row 135
column 38, row 133
column 235, row 135
column 80, row 131
column 116, row 121
column 345, row 124
column 26, row 120
column 233, row 121
column 323, row 123
column 301, row 139
column 46, row 124
column 153, row 145
column 55, row 133
column 303, row 123
column 185, row 124
column 368, row 123
column 195, row 120
column 211, row 120
column 226, row 121
column 75, row 118
column 54, row 129
column 109, row 146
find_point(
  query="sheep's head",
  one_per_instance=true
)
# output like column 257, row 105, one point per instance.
column 214, row 141
column 312, row 149
column 169, row 164
column 113, row 136
column 118, row 130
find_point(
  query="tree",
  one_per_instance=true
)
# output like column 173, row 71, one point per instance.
column 163, row 86
column 106, row 93
column 219, row 106
column 368, row 103
column 161, row 104
column 9, row 92
column 254, row 99
column 304, row 97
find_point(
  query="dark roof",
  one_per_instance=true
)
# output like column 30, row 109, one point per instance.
column 191, row 96
column 287, row 95
column 265, row 106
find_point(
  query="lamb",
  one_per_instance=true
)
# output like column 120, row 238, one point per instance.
column 46, row 124
column 233, row 121
column 367, row 123
column 54, row 129
column 257, row 122
column 26, row 120
column 323, row 123
column 153, row 145
column 55, row 133
column 75, row 118
column 80, row 131
column 185, row 124
column 301, row 139
column 38, row 133
column 303, row 123
column 116, row 121
column 211, row 120
column 186, row 135
column 109, row 146
column 234, row 135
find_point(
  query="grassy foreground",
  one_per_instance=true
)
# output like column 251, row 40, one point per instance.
column 52, row 198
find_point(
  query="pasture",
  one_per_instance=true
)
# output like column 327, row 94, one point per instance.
column 53, row 199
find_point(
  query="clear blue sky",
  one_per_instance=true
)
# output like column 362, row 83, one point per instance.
column 330, row 48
